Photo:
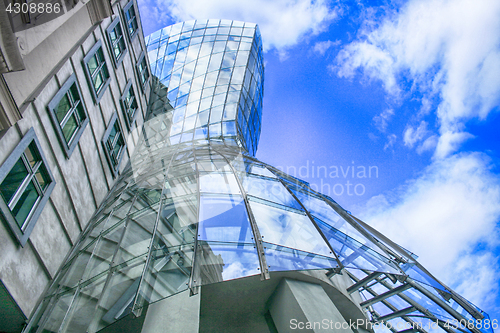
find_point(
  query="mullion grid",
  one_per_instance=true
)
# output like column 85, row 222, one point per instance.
column 72, row 111
column 98, row 70
column 30, row 178
column 112, row 144
column 130, row 100
column 119, row 38
column 425, row 314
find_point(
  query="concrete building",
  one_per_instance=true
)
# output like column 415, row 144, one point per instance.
column 67, row 81
column 170, row 223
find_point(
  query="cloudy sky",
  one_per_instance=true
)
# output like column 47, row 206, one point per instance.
column 392, row 109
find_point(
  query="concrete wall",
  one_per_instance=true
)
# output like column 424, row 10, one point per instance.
column 83, row 179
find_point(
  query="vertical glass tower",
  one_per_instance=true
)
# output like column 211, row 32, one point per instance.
column 195, row 213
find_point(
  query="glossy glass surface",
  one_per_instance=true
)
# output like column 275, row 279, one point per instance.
column 211, row 70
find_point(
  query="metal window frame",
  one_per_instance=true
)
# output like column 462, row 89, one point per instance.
column 116, row 23
column 126, row 9
column 20, row 234
column 142, row 57
column 129, row 121
column 114, row 168
column 69, row 147
column 96, row 94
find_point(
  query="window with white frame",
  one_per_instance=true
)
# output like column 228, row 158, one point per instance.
column 68, row 114
column 116, row 41
column 131, row 19
column 25, row 186
column 97, row 71
column 114, row 144
column 129, row 104
column 142, row 70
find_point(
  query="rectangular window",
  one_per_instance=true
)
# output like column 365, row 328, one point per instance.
column 142, row 70
column 25, row 186
column 131, row 18
column 96, row 70
column 129, row 104
column 116, row 41
column 68, row 114
column 114, row 144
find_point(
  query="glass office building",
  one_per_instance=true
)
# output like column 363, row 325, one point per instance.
column 195, row 216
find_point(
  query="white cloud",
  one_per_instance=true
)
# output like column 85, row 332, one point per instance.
column 376, row 64
column 443, row 216
column 449, row 49
column 322, row 47
column 382, row 120
column 429, row 144
column 282, row 22
column 391, row 140
column 412, row 135
column 449, row 142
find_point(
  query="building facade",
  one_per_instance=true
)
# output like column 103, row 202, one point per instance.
column 197, row 235
column 72, row 98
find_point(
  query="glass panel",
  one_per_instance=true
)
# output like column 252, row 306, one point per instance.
column 218, row 261
column 117, row 299
column 32, row 154
column 75, row 271
column 353, row 253
column 168, row 272
column 281, row 258
column 178, row 221
column 92, row 64
column 13, row 180
column 224, row 219
column 70, row 128
column 62, row 108
column 289, row 229
column 112, row 35
column 84, row 306
column 326, row 214
column 427, row 303
column 417, row 274
column 261, row 170
column 219, row 183
column 59, row 310
column 118, row 147
column 25, row 204
column 98, row 81
column 138, row 234
column 316, row 206
column 104, row 251
column 42, row 176
column 80, row 112
column 269, row 189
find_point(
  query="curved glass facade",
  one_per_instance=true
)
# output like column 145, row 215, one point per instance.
column 194, row 207
column 212, row 73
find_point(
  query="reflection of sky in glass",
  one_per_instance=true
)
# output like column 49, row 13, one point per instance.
column 218, row 183
column 289, row 229
column 224, row 218
column 269, row 189
column 280, row 258
column 354, row 254
column 210, row 68
column 238, row 259
column 417, row 274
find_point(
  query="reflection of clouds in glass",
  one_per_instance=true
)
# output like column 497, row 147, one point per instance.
column 289, row 229
column 238, row 261
column 234, row 271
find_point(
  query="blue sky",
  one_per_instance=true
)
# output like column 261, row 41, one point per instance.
column 398, row 101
